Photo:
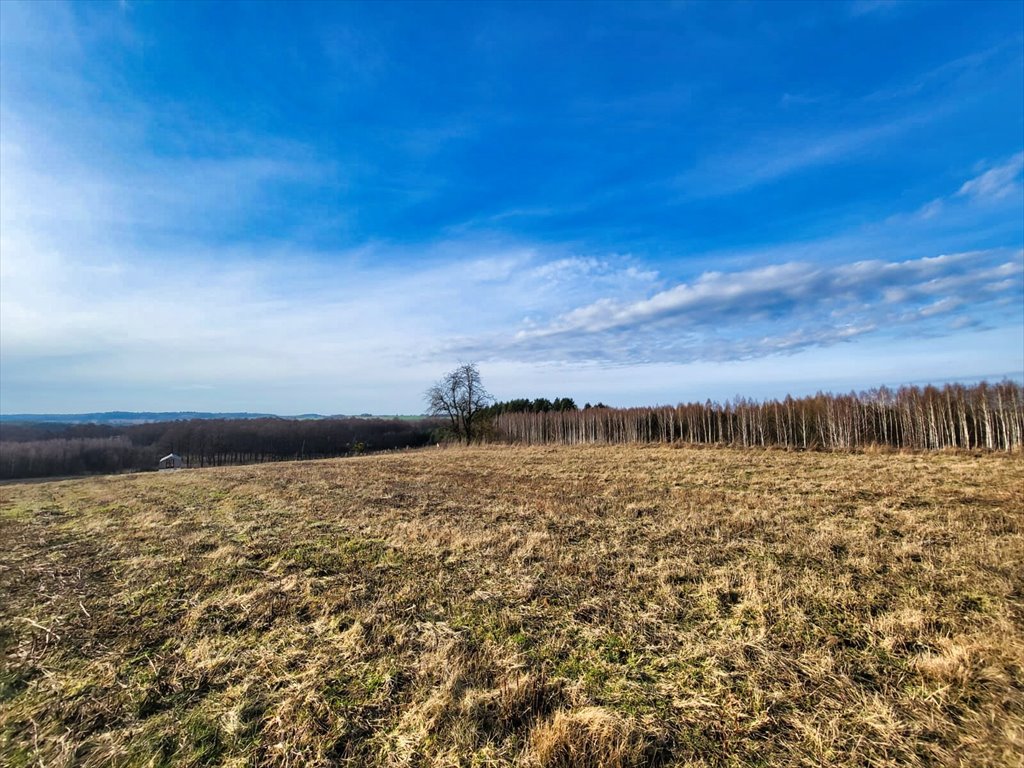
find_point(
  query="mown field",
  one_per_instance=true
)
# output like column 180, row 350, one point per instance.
column 602, row 606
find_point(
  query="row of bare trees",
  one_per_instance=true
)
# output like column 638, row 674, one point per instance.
column 982, row 416
column 28, row 450
column 69, row 456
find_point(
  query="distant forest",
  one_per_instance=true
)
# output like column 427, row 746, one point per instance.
column 982, row 416
column 978, row 417
column 49, row 450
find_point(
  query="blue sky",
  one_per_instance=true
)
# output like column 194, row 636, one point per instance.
column 315, row 207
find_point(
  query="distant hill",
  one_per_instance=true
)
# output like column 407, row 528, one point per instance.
column 126, row 418
column 120, row 418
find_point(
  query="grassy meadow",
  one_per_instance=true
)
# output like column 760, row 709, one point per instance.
column 503, row 606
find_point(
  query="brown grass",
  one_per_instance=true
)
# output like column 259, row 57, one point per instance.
column 615, row 606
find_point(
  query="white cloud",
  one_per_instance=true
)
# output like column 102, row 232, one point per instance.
column 996, row 183
column 715, row 296
column 766, row 310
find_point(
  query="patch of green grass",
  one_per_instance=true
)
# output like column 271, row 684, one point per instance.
column 328, row 556
column 202, row 741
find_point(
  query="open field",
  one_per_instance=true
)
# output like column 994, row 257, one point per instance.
column 611, row 606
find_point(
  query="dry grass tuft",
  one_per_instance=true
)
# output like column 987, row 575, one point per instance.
column 591, row 736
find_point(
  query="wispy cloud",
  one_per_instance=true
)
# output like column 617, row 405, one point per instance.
column 869, row 7
column 51, row 194
column 768, row 158
column 838, row 130
column 372, row 321
column 996, row 183
column 993, row 188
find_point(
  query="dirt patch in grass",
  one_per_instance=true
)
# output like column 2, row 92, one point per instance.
column 619, row 606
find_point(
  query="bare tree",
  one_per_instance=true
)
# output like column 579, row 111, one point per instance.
column 459, row 397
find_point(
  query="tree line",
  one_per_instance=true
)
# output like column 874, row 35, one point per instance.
column 526, row 405
column 982, row 416
column 33, row 450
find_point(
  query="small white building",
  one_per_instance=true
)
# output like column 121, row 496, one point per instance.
column 172, row 461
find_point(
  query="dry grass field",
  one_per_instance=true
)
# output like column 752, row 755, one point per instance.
column 606, row 606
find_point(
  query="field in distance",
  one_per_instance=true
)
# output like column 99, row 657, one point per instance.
column 599, row 606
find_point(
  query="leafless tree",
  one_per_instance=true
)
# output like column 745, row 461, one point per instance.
column 459, row 397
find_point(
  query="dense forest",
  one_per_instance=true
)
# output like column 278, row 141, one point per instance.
column 982, row 416
column 525, row 405
column 46, row 450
